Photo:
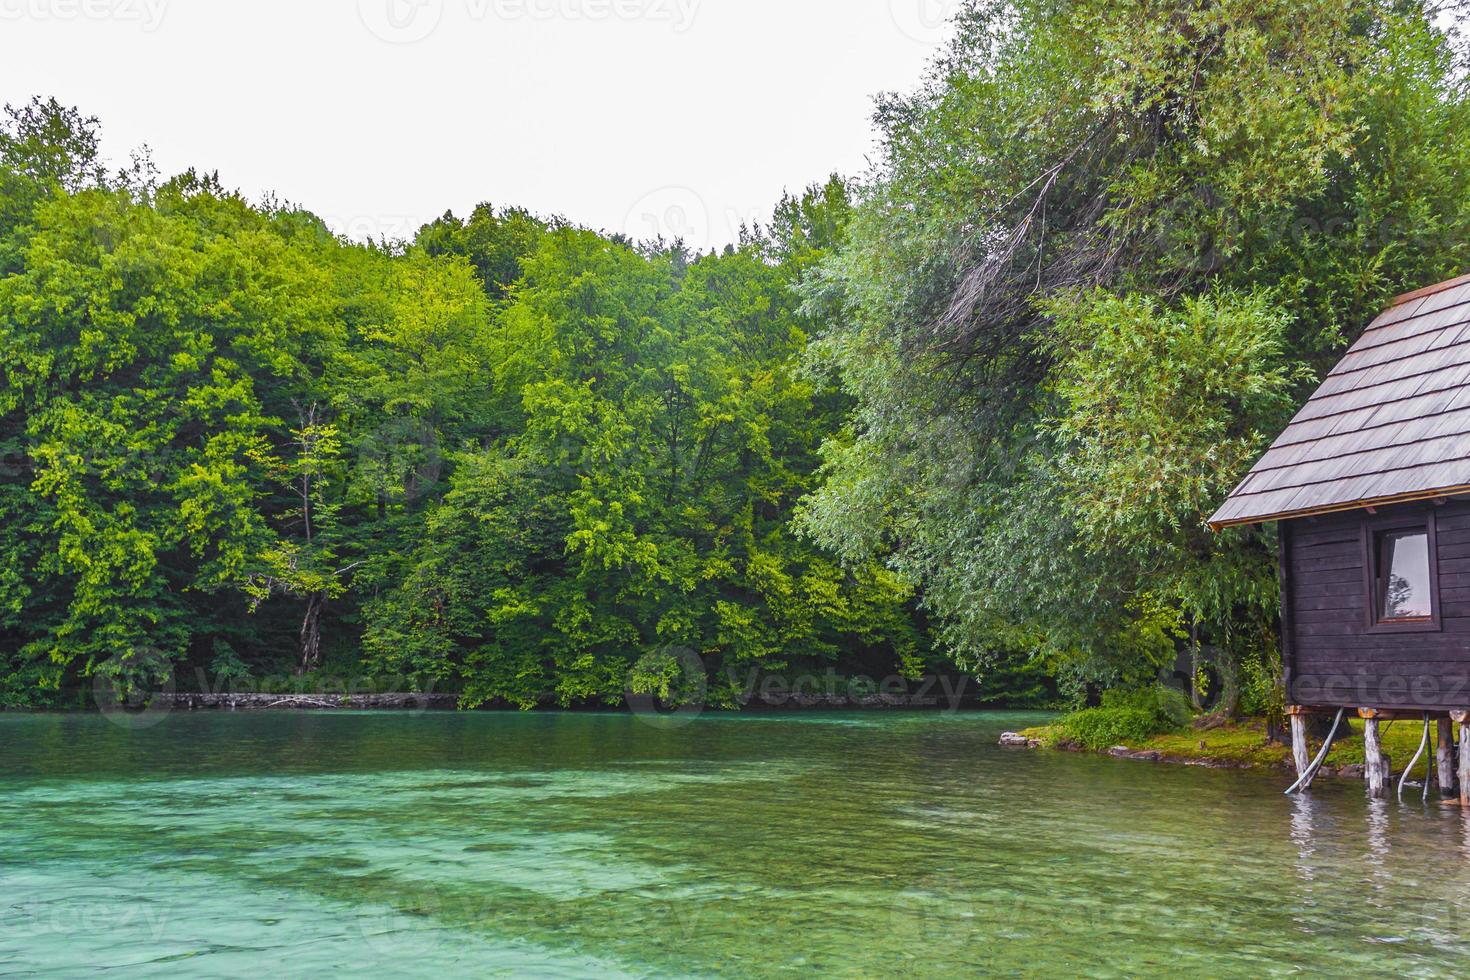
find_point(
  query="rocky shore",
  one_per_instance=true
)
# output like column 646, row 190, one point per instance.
column 1240, row 747
column 306, row 702
column 761, row 701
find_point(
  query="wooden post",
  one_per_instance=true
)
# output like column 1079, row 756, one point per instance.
column 1379, row 769
column 1444, row 756
column 1299, row 749
column 1462, row 717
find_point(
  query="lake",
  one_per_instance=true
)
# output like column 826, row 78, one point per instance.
column 606, row 845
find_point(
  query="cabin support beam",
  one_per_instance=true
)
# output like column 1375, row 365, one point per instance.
column 1378, row 768
column 1444, row 756
column 1460, row 718
column 1300, row 753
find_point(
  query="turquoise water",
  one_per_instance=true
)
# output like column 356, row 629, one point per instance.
column 577, row 845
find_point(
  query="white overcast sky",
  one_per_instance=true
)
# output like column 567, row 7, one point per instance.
column 643, row 116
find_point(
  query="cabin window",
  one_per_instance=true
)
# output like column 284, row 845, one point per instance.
column 1402, row 579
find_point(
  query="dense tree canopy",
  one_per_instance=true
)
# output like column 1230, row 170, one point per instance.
column 655, row 440
column 1002, row 382
column 512, row 458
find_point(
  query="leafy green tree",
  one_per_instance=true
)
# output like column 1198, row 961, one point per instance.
column 304, row 564
column 659, row 435
column 135, row 338
column 495, row 242
column 46, row 149
column 1222, row 181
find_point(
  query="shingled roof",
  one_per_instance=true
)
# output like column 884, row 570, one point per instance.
column 1390, row 424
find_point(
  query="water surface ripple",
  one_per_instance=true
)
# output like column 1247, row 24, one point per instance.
column 577, row 845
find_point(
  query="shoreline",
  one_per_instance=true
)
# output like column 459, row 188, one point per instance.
column 449, row 703
column 1238, row 745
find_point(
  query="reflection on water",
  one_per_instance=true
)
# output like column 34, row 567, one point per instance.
column 595, row 845
column 1304, row 818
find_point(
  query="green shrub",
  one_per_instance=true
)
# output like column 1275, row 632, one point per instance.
column 1101, row 728
column 1127, row 716
column 1260, row 686
column 1169, row 707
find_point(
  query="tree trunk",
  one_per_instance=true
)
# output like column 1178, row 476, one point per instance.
column 1228, row 673
column 1300, row 752
column 1194, row 666
column 1465, row 765
column 1445, row 757
column 1379, row 768
column 311, row 634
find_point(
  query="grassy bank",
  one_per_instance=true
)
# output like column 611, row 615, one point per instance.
column 1243, row 744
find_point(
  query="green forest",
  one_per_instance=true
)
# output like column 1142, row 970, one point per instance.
column 968, row 411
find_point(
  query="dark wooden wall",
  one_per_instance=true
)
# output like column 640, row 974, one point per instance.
column 1333, row 657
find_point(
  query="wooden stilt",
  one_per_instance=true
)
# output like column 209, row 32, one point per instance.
column 1444, row 756
column 1378, row 766
column 1300, row 753
column 1462, row 717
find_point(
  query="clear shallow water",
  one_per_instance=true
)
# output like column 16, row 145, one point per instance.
column 577, row 845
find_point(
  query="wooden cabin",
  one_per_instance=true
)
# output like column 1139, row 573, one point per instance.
column 1370, row 486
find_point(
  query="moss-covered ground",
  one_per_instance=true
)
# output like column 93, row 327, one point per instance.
column 1244, row 744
